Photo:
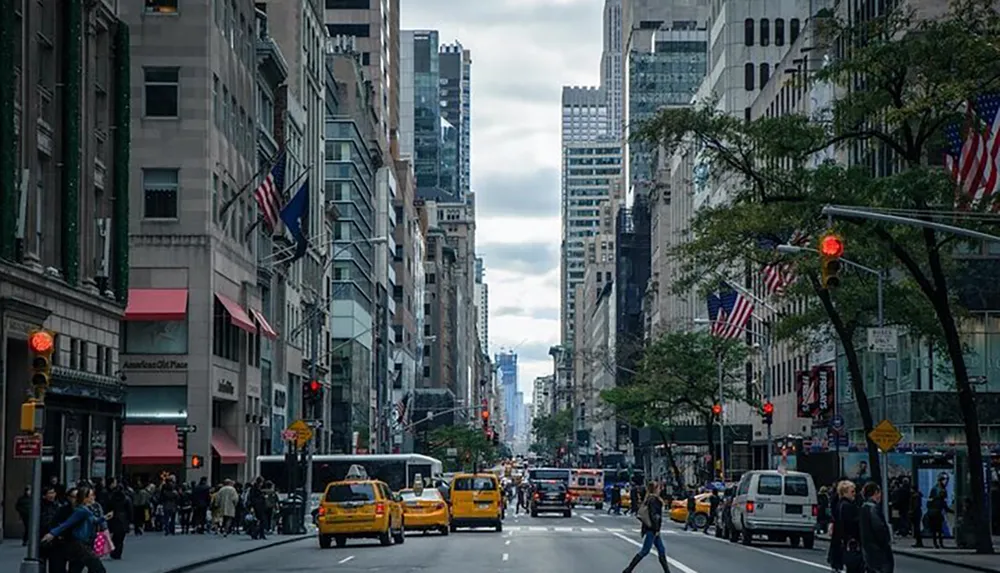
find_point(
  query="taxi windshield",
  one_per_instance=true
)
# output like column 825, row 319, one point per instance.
column 342, row 492
column 427, row 494
column 475, row 484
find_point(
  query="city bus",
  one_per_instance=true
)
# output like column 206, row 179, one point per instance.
column 396, row 470
column 560, row 474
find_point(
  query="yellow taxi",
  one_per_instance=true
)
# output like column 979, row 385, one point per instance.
column 359, row 507
column 424, row 508
column 476, row 501
column 702, row 509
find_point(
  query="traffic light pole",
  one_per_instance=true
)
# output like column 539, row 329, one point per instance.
column 885, row 398
column 765, row 346
column 722, row 422
column 308, row 450
column 32, row 562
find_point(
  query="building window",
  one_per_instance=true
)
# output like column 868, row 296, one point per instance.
column 431, row 278
column 748, row 29
column 358, row 30
column 225, row 335
column 216, row 105
column 215, row 199
column 779, row 31
column 168, row 337
column 161, row 6
column 162, row 91
column 765, row 32
column 765, row 74
column 159, row 191
column 427, row 371
column 793, row 32
column 748, row 76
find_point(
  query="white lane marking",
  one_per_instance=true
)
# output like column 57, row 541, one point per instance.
column 562, row 529
column 513, row 528
column 507, row 542
column 345, row 559
column 587, row 519
column 671, row 560
column 505, row 556
column 590, row 529
column 773, row 554
column 538, row 529
column 613, row 529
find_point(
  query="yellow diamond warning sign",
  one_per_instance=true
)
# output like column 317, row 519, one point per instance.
column 885, row 436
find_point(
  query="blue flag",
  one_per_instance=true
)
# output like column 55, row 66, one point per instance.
column 294, row 216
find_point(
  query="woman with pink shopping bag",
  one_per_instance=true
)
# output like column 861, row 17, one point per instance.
column 83, row 526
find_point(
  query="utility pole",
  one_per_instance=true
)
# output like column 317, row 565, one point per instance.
column 722, row 421
column 313, row 371
column 885, row 399
column 766, row 348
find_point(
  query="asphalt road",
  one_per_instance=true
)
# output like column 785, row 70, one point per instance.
column 588, row 542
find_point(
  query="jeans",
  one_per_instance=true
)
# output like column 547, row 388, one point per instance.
column 650, row 540
column 169, row 522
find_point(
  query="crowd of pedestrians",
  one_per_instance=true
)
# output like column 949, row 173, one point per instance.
column 82, row 523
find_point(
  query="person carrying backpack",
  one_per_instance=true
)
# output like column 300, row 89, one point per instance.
column 650, row 514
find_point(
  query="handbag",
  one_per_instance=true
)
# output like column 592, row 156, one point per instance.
column 853, row 559
column 643, row 515
column 103, row 546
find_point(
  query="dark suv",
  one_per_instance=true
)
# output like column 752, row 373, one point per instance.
column 550, row 496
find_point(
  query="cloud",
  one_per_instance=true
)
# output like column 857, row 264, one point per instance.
column 523, row 52
column 527, row 258
column 513, row 192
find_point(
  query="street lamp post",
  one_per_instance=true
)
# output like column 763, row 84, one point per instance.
column 880, row 276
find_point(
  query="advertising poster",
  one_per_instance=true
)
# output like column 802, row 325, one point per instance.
column 937, row 473
column 856, row 466
column 803, row 394
column 825, row 395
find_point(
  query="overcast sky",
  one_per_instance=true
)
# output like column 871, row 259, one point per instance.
column 523, row 52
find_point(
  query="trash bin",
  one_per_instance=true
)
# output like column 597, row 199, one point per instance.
column 291, row 517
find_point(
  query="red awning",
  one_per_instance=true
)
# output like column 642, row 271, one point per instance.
column 227, row 448
column 237, row 315
column 150, row 304
column 144, row 445
column 265, row 326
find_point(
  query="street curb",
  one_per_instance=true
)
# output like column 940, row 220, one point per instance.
column 218, row 558
column 934, row 559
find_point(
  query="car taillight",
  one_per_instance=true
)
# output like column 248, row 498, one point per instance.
column 815, row 511
column 438, row 506
column 749, row 507
column 379, row 508
column 322, row 510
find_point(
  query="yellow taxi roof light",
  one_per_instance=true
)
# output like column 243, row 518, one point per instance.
column 356, row 472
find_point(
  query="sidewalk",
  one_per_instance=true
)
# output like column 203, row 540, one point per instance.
column 156, row 553
column 965, row 558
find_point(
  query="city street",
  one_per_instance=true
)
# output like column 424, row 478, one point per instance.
column 588, row 542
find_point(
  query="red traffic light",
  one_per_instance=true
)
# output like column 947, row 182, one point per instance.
column 314, row 386
column 196, row 461
column 41, row 342
column 768, row 408
column 716, row 409
column 486, row 414
column 831, row 245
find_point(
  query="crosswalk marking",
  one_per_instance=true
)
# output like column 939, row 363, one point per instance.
column 563, row 529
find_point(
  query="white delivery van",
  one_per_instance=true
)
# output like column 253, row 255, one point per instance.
column 778, row 505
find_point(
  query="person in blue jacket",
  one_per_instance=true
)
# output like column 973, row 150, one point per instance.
column 82, row 527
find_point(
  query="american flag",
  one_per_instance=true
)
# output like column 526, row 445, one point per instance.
column 268, row 193
column 729, row 312
column 972, row 159
column 399, row 412
column 779, row 275
column 988, row 110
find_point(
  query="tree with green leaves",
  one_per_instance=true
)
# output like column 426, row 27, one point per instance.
column 474, row 450
column 904, row 80
column 552, row 432
column 677, row 381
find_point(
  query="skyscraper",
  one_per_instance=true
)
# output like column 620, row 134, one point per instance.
column 427, row 123
column 611, row 66
column 482, row 295
column 507, row 365
column 590, row 166
column 456, row 99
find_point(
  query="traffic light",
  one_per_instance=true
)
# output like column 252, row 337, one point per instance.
column 768, row 412
column 831, row 248
column 312, row 391
column 486, row 416
column 182, row 441
column 41, row 344
column 496, row 438
column 197, row 461
column 716, row 410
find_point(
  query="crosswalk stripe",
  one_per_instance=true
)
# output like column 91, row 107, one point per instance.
column 614, row 529
column 563, row 529
column 537, row 529
column 590, row 529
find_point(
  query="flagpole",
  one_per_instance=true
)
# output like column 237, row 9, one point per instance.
column 263, row 169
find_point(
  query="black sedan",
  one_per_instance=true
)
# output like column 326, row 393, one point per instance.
column 550, row 496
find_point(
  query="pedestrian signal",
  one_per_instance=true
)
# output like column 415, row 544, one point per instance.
column 716, row 410
column 197, row 461
column 768, row 412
